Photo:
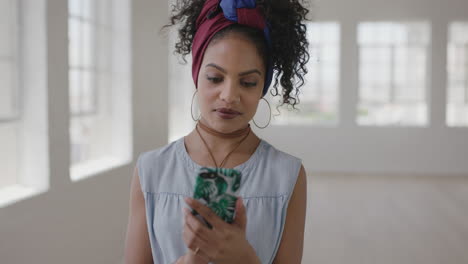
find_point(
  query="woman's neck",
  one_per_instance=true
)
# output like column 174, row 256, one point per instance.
column 218, row 143
column 235, row 134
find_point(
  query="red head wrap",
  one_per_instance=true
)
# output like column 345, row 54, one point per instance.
column 213, row 19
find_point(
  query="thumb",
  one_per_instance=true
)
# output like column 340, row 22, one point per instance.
column 241, row 218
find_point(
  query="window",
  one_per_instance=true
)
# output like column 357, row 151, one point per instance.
column 393, row 73
column 9, row 93
column 23, row 113
column 99, row 79
column 319, row 96
column 457, row 66
column 180, row 91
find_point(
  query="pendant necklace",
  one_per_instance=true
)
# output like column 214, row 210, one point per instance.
column 213, row 132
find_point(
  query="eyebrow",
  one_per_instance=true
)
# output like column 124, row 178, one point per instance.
column 240, row 74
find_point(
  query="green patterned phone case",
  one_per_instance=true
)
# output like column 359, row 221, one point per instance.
column 217, row 188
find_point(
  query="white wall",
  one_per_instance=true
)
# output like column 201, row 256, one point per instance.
column 348, row 148
column 85, row 221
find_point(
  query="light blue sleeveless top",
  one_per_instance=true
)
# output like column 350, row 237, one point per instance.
column 167, row 175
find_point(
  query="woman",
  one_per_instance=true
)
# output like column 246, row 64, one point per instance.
column 236, row 46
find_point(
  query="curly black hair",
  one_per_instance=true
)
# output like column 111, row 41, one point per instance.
column 289, row 52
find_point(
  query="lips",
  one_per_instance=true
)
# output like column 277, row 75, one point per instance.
column 228, row 111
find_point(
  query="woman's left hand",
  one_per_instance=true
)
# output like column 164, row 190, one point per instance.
column 224, row 243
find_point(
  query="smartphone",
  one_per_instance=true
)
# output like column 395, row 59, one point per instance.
column 217, row 188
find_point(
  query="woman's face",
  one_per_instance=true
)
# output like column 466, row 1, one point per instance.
column 231, row 78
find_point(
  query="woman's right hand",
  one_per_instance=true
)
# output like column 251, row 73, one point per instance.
column 191, row 258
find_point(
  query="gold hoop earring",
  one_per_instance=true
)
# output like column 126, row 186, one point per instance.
column 191, row 108
column 269, row 116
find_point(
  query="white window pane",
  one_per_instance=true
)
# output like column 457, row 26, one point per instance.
column 75, row 87
column 375, row 33
column 88, row 92
column 80, row 129
column 84, row 9
column 410, row 74
column 410, row 92
column 376, row 56
column 392, row 72
column 75, row 7
column 82, row 43
column 393, row 33
column 376, row 74
column 458, row 32
column 417, row 33
column 88, row 9
column 457, row 115
column 315, row 60
column 457, row 93
column 331, row 93
column 310, row 91
column 323, row 33
column 88, row 45
column 375, row 92
column 96, row 134
column 329, row 53
column 319, row 95
column 457, row 90
column 331, row 33
column 457, row 54
column 74, row 42
column 328, row 73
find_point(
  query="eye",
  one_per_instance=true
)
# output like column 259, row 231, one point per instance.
column 214, row 79
column 249, row 84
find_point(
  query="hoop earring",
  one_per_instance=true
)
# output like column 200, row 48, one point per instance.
column 269, row 119
column 191, row 108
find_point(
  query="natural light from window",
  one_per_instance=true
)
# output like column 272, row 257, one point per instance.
column 99, row 82
column 393, row 73
column 457, row 70
column 9, row 94
column 319, row 96
column 24, row 159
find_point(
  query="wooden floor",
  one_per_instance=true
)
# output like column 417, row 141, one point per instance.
column 387, row 219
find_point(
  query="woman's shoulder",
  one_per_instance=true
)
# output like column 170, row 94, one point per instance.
column 155, row 164
column 278, row 153
column 156, row 153
column 274, row 174
column 159, row 159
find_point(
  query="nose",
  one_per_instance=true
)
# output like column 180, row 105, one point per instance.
column 230, row 92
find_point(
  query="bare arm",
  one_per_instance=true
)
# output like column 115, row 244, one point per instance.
column 292, row 241
column 137, row 244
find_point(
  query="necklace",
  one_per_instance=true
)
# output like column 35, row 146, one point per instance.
column 219, row 134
